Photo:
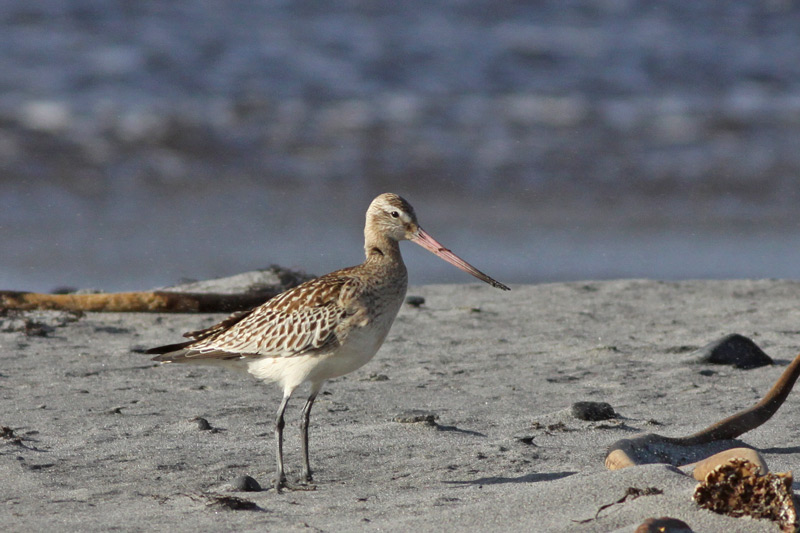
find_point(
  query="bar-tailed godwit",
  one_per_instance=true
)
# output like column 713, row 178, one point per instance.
column 324, row 328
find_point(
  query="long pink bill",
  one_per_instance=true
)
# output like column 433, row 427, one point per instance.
column 424, row 239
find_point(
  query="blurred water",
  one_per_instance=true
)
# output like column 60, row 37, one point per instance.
column 52, row 238
column 145, row 142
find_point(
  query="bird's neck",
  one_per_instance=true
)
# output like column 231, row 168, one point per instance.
column 382, row 250
column 386, row 264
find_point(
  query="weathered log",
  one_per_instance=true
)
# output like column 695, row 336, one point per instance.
column 140, row 301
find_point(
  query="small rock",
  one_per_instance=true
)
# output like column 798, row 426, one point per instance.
column 592, row 411
column 664, row 524
column 415, row 301
column 416, row 416
column 246, row 484
column 202, row 423
column 735, row 350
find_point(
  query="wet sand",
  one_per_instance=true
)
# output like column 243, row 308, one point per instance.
column 102, row 438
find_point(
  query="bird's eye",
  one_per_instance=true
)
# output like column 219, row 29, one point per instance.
column 395, row 214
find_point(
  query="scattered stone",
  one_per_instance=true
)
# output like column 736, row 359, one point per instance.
column 664, row 524
column 416, row 416
column 735, row 350
column 415, row 301
column 202, row 423
column 246, row 484
column 592, row 411
column 736, row 489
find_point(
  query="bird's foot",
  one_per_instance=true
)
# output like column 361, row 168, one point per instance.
column 300, row 485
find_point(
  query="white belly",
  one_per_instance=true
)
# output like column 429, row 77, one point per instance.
column 357, row 348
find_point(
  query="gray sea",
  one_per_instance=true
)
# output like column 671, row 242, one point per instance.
column 142, row 143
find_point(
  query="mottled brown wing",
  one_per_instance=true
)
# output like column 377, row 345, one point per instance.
column 219, row 327
column 174, row 352
column 298, row 321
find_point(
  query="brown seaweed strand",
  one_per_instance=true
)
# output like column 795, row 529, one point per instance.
column 751, row 418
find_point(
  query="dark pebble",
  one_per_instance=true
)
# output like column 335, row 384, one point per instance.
column 246, row 484
column 415, row 301
column 202, row 423
column 664, row 524
column 735, row 350
column 592, row 411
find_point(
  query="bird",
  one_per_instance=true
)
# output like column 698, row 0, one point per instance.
column 321, row 329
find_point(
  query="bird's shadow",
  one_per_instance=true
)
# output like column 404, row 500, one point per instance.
column 527, row 478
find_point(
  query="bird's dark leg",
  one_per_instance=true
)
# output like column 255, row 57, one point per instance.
column 304, row 434
column 280, row 476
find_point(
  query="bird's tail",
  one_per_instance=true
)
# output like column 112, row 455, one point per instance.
column 169, row 352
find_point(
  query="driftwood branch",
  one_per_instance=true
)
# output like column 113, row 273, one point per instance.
column 653, row 448
column 141, row 301
column 222, row 295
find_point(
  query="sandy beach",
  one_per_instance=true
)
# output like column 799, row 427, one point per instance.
column 100, row 438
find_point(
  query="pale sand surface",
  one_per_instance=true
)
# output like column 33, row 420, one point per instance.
column 109, row 442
